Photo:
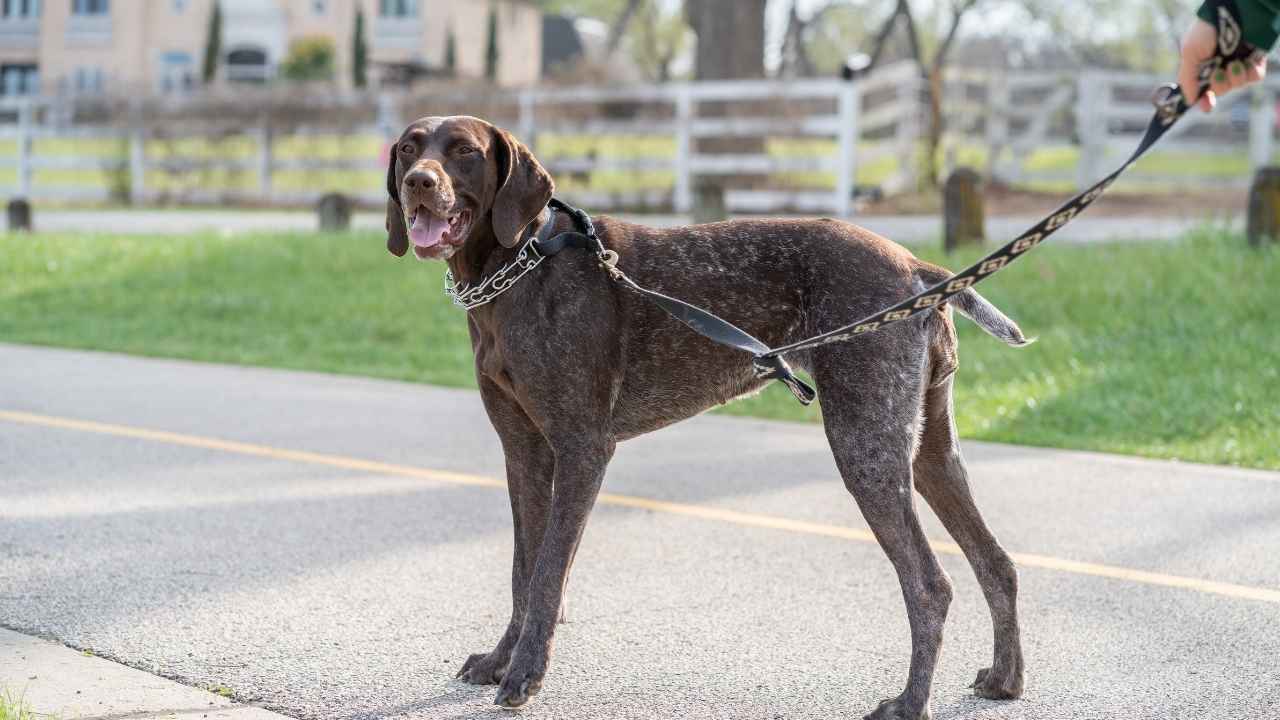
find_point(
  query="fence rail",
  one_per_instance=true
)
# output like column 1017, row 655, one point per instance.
column 1032, row 128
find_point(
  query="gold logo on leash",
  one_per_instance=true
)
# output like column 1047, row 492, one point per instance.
column 992, row 265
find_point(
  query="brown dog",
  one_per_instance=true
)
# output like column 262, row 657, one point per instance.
column 570, row 362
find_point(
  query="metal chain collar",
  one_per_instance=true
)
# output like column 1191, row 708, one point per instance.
column 473, row 296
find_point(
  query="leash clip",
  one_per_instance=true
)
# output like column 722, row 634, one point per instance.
column 1167, row 100
column 609, row 261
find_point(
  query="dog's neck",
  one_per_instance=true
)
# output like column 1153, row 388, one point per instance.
column 482, row 254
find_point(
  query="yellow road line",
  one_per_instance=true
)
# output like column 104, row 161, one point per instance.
column 702, row 512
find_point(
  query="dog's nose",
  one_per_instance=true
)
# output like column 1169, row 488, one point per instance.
column 424, row 178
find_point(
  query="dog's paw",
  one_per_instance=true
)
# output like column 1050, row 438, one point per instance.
column 998, row 685
column 518, row 687
column 895, row 709
column 482, row 669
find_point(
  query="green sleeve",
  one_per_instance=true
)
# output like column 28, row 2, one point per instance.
column 1259, row 21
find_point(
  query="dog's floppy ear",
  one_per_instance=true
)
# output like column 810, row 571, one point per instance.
column 397, row 233
column 524, row 187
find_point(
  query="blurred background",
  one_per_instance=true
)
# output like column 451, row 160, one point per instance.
column 205, row 179
column 276, row 102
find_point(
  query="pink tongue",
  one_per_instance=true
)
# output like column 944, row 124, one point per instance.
column 427, row 231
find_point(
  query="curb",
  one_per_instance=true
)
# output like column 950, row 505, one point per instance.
column 60, row 683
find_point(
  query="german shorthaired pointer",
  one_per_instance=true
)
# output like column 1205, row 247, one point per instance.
column 570, row 362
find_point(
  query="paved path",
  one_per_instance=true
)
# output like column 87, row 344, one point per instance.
column 334, row 547
column 902, row 228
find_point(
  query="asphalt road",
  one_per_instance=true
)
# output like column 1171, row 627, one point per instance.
column 335, row 547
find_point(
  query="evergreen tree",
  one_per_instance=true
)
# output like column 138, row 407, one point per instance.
column 359, row 53
column 491, row 52
column 451, row 53
column 213, row 44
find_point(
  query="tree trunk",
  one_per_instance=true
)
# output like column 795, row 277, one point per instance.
column 730, row 46
column 936, row 126
column 730, row 38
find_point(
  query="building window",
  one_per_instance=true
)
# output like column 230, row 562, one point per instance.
column 19, row 80
column 398, row 8
column 177, row 73
column 90, row 7
column 248, row 64
column 88, row 81
column 12, row 9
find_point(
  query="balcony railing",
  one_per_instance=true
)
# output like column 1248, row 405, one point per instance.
column 20, row 32
column 89, row 28
column 401, row 33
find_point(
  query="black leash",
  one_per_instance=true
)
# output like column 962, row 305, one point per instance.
column 768, row 363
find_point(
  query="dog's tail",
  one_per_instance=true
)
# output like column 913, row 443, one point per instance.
column 977, row 308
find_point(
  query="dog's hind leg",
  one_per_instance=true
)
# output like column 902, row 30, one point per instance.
column 942, row 479
column 871, row 399
column 530, row 464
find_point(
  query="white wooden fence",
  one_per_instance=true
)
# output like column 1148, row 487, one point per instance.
column 868, row 133
column 1100, row 117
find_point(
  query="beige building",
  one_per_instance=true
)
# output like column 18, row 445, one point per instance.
column 158, row 46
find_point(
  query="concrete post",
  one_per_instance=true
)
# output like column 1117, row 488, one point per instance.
column 962, row 211
column 1263, row 223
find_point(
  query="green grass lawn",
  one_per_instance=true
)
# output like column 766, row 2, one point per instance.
column 1163, row 350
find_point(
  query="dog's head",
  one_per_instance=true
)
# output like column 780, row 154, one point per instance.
column 452, row 180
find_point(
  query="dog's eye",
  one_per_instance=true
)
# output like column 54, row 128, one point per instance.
column 465, row 150
column 408, row 149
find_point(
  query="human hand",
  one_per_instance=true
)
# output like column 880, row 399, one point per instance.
column 1199, row 44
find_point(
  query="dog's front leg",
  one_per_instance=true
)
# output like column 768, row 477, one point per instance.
column 530, row 464
column 579, row 471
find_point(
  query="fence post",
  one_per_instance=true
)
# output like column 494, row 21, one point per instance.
column 962, row 213
column 683, row 195
column 137, row 165
column 1093, row 93
column 527, row 122
column 1262, row 224
column 1262, row 118
column 847, row 133
column 25, row 111
column 266, row 162
column 388, row 118
column 997, row 122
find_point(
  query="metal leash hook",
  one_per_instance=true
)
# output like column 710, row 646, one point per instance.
column 609, row 261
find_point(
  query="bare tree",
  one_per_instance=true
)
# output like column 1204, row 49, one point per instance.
column 796, row 60
column 933, row 69
column 658, row 38
column 619, row 27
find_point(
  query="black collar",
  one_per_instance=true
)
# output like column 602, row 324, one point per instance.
column 533, row 250
column 583, row 236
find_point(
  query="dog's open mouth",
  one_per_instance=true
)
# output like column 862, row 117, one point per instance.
column 436, row 237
